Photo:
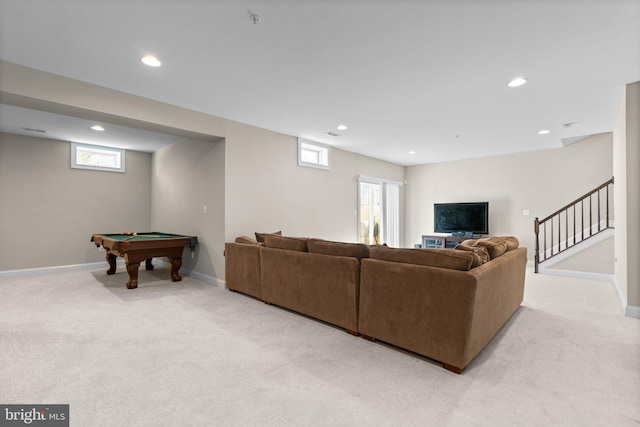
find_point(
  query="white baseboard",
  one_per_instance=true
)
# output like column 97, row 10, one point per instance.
column 58, row 269
column 632, row 311
column 205, row 278
column 629, row 310
column 97, row 265
column 202, row 277
column 577, row 274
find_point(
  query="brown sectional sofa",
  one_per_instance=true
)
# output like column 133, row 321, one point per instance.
column 446, row 304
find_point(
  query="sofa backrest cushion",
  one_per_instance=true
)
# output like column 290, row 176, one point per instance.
column 299, row 244
column 260, row 236
column 480, row 254
column 326, row 247
column 443, row 258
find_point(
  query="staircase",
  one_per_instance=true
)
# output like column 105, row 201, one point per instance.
column 575, row 223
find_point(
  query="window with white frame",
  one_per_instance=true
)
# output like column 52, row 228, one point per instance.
column 96, row 157
column 313, row 154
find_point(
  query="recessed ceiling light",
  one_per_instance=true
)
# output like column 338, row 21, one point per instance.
column 518, row 81
column 544, row 132
column 151, row 61
column 412, row 152
column 97, row 128
column 341, row 127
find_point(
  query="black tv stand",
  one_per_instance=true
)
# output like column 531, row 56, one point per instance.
column 443, row 242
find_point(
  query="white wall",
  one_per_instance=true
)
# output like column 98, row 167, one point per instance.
column 267, row 191
column 186, row 177
column 264, row 189
column 594, row 259
column 633, row 194
column 49, row 211
column 540, row 181
column 627, row 170
column 620, row 198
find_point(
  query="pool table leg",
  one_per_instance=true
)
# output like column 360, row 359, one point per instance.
column 111, row 260
column 132, row 269
column 176, row 263
column 148, row 264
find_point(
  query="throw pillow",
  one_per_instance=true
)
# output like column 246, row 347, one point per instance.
column 480, row 254
column 247, row 240
column 495, row 246
column 260, row 236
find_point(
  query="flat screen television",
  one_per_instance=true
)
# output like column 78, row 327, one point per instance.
column 461, row 218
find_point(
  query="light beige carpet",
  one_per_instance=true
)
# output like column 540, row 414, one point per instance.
column 192, row 354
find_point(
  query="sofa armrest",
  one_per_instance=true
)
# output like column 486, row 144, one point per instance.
column 500, row 291
column 242, row 268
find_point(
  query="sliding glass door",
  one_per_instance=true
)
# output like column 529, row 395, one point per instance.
column 378, row 211
column 370, row 207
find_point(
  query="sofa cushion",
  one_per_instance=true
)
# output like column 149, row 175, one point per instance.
column 247, row 240
column 498, row 245
column 512, row 243
column 299, row 244
column 260, row 236
column 480, row 254
column 495, row 246
column 444, row 258
column 326, row 247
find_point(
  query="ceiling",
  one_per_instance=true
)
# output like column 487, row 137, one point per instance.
column 428, row 77
column 41, row 124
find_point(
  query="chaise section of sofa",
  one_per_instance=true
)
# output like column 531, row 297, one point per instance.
column 314, row 277
column 433, row 303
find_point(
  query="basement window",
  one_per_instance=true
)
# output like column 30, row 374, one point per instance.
column 313, row 154
column 96, row 157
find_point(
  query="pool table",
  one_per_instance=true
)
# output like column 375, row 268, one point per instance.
column 136, row 247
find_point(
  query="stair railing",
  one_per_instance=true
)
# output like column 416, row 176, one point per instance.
column 575, row 221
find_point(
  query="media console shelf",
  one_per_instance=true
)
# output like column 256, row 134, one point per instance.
column 441, row 242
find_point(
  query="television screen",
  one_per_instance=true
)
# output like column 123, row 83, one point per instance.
column 461, row 217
